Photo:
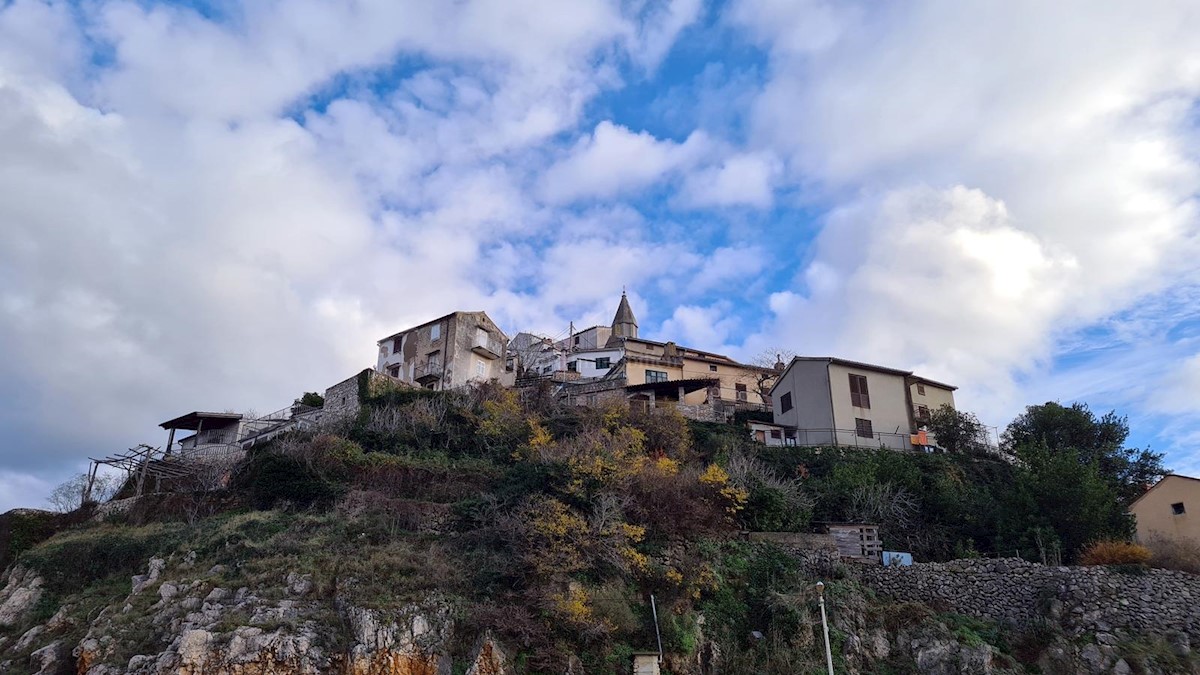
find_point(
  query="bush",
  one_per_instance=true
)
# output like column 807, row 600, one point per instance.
column 1174, row 554
column 1112, row 552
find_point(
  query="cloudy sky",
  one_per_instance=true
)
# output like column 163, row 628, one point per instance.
column 220, row 205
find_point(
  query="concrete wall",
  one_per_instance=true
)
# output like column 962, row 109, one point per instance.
column 1083, row 600
column 588, row 369
column 812, row 408
column 1155, row 515
column 934, row 396
column 889, row 411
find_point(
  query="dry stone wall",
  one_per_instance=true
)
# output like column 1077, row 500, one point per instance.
column 1082, row 600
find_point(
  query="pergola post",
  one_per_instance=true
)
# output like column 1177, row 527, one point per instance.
column 170, row 440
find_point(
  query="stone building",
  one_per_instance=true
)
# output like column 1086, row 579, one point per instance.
column 447, row 352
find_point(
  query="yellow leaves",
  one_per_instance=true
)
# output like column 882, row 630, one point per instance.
column 553, row 519
column 539, row 437
column 573, row 605
column 716, row 477
column 637, row 560
column 674, row 576
column 667, row 466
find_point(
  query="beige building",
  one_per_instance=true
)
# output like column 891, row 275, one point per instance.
column 448, row 352
column 831, row 401
column 1170, row 509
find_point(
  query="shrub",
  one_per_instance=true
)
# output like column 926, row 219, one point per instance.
column 1111, row 552
column 1174, row 554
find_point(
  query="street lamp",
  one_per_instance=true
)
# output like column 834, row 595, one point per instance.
column 824, row 625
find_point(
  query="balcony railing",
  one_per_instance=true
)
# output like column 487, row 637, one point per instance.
column 428, row 371
column 487, row 347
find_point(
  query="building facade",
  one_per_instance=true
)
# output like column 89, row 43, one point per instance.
column 1170, row 509
column 448, row 352
column 832, row 401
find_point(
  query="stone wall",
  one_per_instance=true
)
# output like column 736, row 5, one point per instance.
column 341, row 400
column 1082, row 600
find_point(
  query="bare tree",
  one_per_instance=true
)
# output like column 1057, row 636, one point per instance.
column 771, row 362
column 72, row 493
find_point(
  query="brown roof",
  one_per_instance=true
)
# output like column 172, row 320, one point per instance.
column 213, row 420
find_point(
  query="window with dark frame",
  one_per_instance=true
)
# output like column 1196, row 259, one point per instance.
column 712, row 368
column 776, row 433
column 862, row 428
column 922, row 412
column 921, row 389
column 656, row 376
column 1178, row 509
column 572, row 366
column 603, row 363
column 785, row 402
column 740, row 391
column 394, row 370
column 859, row 397
column 397, row 343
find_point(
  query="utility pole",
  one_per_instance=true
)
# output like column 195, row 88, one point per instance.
column 825, row 625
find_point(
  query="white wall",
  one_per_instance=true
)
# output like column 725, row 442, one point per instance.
column 588, row 368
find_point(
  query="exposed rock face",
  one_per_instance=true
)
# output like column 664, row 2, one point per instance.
column 22, row 590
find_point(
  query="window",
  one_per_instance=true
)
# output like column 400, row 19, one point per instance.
column 435, row 332
column 603, row 363
column 712, row 368
column 776, row 433
column 1178, row 509
column 785, row 402
column 859, row 398
column 394, row 371
column 922, row 412
column 480, row 368
column 740, row 389
column 397, row 343
column 576, row 340
column 862, row 428
column 572, row 366
column 654, row 375
column 921, row 389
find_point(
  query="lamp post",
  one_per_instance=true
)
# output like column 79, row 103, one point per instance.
column 824, row 625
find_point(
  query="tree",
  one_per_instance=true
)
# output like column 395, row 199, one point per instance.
column 1097, row 441
column 1059, row 496
column 312, row 399
column 769, row 360
column 958, row 431
column 70, row 494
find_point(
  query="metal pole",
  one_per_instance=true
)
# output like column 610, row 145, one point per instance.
column 824, row 625
column 657, row 636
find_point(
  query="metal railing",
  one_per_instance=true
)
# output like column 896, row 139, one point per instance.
column 851, row 439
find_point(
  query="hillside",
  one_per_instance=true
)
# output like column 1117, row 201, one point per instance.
column 483, row 532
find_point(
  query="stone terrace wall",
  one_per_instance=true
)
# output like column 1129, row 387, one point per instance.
column 1081, row 599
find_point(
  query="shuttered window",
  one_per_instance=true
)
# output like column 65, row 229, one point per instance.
column 862, row 428
column 859, row 398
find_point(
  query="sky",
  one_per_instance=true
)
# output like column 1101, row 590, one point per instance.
column 220, row 205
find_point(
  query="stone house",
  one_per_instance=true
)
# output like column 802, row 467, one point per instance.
column 450, row 351
column 831, row 401
column 1171, row 509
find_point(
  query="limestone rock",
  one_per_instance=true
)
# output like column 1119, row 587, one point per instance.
column 21, row 592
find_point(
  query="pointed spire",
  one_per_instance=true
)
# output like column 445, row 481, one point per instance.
column 624, row 324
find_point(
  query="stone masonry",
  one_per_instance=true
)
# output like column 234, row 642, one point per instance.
column 1082, row 600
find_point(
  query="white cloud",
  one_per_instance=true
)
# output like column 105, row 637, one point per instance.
column 615, row 159
column 1075, row 165
column 744, row 179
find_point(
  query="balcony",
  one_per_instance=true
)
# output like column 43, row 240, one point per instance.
column 487, row 346
column 428, row 372
column 921, row 414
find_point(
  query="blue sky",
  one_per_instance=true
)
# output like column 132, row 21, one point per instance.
column 221, row 205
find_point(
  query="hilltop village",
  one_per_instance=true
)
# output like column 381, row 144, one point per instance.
column 483, row 504
column 806, row 401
